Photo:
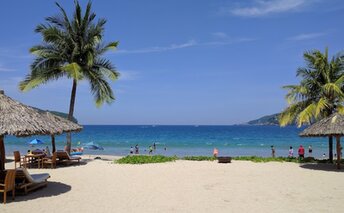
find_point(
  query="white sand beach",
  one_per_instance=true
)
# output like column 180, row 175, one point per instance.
column 185, row 186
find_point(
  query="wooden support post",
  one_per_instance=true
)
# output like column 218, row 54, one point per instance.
column 338, row 151
column 330, row 148
column 2, row 154
column 53, row 143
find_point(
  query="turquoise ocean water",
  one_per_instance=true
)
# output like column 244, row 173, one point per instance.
column 236, row 140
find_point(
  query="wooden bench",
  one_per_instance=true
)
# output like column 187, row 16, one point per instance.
column 224, row 159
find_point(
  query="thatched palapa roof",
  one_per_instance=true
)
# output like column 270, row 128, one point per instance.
column 330, row 126
column 22, row 120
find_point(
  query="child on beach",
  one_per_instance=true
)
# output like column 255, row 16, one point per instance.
column 131, row 150
column 310, row 150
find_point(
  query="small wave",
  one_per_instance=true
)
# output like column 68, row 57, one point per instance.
column 262, row 144
column 236, row 138
column 209, row 143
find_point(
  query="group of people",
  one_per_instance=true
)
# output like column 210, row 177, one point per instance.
column 300, row 152
column 136, row 149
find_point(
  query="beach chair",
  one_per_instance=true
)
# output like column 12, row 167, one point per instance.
column 64, row 157
column 50, row 161
column 18, row 159
column 27, row 182
column 9, row 184
column 224, row 159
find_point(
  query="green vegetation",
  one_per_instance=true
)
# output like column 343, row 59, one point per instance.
column 144, row 159
column 266, row 120
column 72, row 47
column 199, row 158
column 61, row 114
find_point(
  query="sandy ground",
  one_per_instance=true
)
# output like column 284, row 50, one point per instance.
column 185, row 186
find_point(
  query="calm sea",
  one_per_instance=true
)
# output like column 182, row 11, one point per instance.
column 234, row 140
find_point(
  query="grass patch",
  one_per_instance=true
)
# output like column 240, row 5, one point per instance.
column 199, row 158
column 144, row 159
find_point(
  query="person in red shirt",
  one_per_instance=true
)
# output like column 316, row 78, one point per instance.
column 301, row 152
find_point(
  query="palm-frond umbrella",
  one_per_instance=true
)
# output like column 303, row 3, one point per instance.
column 21, row 120
column 330, row 126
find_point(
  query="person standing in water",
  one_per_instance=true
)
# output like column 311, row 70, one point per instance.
column 137, row 149
column 154, row 146
column 150, row 150
column 215, row 152
column 273, row 151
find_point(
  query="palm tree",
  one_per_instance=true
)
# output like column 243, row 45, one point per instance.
column 319, row 94
column 73, row 48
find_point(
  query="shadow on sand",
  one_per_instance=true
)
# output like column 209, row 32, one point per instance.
column 322, row 167
column 53, row 189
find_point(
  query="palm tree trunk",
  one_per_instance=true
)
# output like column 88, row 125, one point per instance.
column 70, row 114
column 338, row 151
column 53, row 143
column 330, row 147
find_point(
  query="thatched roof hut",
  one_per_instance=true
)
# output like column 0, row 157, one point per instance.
column 332, row 126
column 20, row 120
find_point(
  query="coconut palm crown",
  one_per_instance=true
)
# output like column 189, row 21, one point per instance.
column 72, row 47
column 320, row 92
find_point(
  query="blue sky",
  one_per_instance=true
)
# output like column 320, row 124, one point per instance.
column 181, row 61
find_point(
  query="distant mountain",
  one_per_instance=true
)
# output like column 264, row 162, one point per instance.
column 266, row 120
column 61, row 114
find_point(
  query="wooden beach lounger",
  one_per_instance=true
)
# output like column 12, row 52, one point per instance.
column 64, row 157
column 224, row 159
column 29, row 182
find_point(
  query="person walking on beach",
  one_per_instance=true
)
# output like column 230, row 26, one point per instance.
column 137, row 149
column 310, row 150
column 150, row 150
column 301, row 152
column 273, row 151
column 131, row 150
column 291, row 152
column 215, row 152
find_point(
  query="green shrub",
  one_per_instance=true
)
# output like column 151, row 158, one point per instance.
column 199, row 158
column 143, row 159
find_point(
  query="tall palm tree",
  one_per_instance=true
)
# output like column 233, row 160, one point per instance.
column 319, row 94
column 73, row 48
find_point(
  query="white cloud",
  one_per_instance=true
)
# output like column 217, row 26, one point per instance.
column 126, row 75
column 306, row 36
column 189, row 44
column 266, row 7
column 219, row 35
column 5, row 69
column 160, row 49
